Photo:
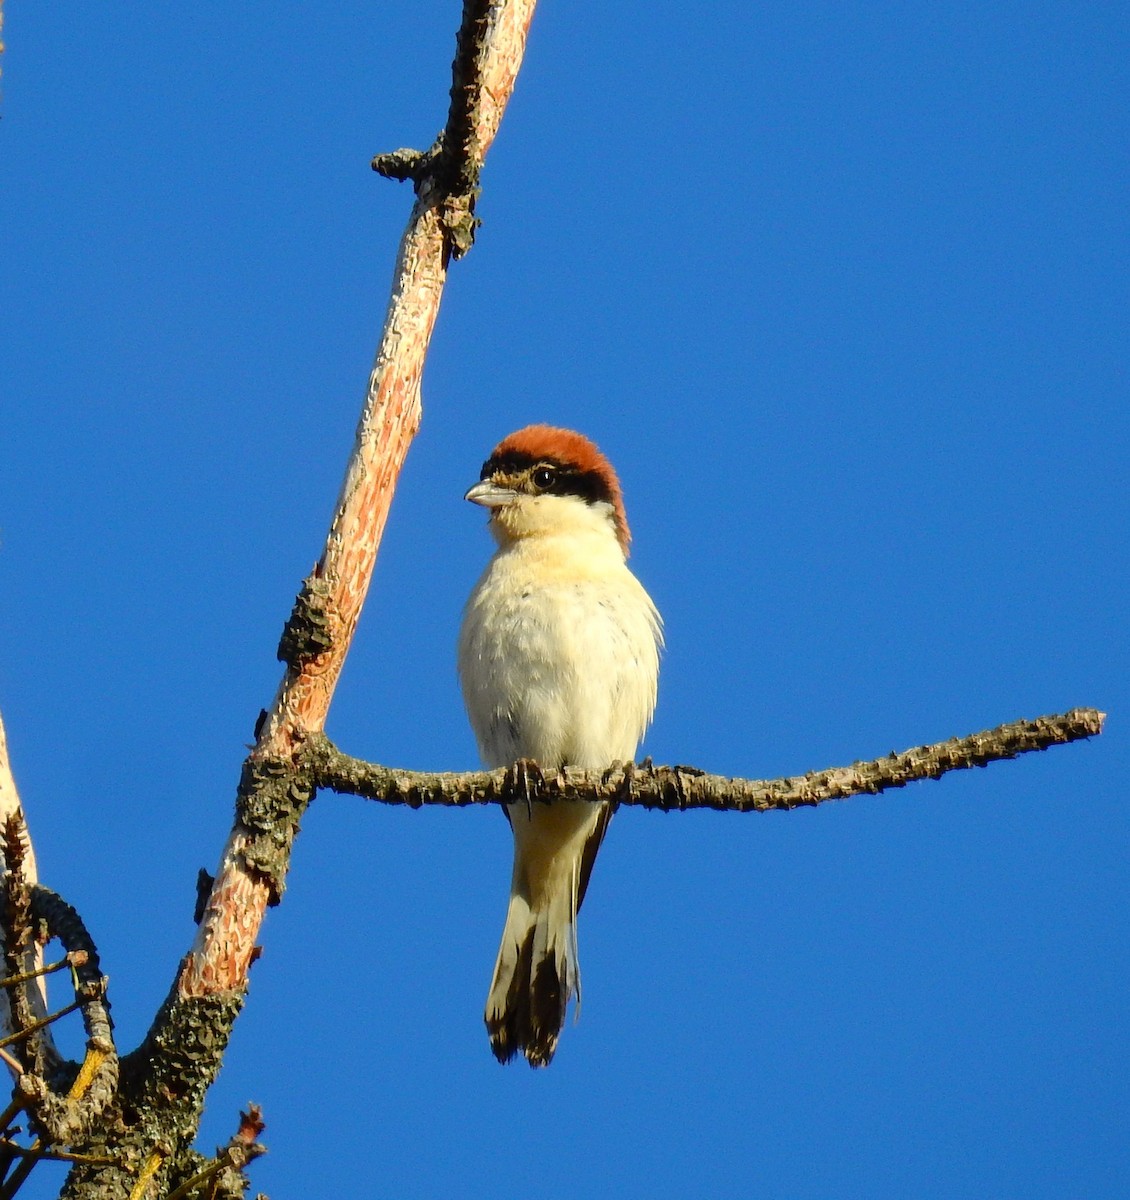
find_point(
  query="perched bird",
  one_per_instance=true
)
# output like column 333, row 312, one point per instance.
column 559, row 662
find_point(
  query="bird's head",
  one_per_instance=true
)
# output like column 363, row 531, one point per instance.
column 542, row 480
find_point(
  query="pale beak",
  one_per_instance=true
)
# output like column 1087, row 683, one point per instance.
column 490, row 495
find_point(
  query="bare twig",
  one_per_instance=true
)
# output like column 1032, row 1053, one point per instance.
column 29, row 1159
column 72, row 960
column 18, row 1177
column 667, row 788
column 35, row 1026
column 10, row 1147
column 241, row 1150
column 10, row 1114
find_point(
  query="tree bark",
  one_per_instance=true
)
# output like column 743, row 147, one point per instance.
column 681, row 788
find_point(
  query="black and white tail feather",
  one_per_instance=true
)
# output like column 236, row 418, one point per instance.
column 538, row 968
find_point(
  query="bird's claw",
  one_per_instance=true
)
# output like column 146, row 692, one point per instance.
column 527, row 779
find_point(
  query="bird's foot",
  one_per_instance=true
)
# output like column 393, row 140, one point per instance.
column 525, row 780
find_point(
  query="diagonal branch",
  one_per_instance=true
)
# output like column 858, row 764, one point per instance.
column 389, row 419
column 489, row 49
column 668, row 788
column 164, row 1082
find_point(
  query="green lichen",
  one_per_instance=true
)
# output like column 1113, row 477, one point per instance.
column 160, row 1098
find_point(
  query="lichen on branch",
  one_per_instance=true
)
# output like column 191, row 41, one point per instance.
column 679, row 788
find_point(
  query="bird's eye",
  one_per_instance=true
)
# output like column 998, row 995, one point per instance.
column 544, row 478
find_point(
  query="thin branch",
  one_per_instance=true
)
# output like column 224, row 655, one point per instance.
column 242, row 1150
column 64, row 1119
column 9, row 1114
column 35, row 1026
column 669, row 788
column 18, row 1177
column 95, row 1160
column 190, row 1185
column 77, row 958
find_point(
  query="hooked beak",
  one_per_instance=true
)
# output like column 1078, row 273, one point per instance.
column 490, row 495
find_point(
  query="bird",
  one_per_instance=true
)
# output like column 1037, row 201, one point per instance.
column 558, row 661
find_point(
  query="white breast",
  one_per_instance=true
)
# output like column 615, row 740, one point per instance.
column 559, row 655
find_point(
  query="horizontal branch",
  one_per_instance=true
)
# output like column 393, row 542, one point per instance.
column 668, row 788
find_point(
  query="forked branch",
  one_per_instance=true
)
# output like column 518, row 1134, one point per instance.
column 164, row 1082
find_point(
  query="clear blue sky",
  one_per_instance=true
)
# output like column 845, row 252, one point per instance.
column 843, row 293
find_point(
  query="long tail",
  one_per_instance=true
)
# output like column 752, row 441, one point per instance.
column 537, row 971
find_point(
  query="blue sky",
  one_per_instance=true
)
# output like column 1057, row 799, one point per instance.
column 843, row 293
